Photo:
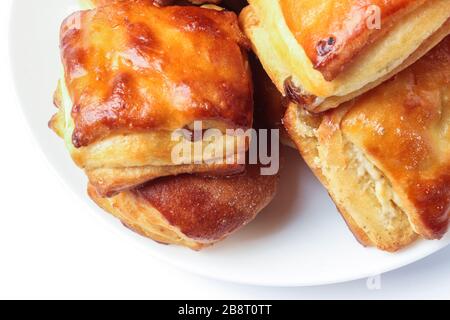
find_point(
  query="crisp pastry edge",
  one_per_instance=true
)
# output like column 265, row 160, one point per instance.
column 305, row 137
column 323, row 95
column 143, row 219
column 109, row 170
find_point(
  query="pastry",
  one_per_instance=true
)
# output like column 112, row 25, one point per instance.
column 385, row 156
column 234, row 5
column 323, row 53
column 95, row 3
column 134, row 74
column 192, row 211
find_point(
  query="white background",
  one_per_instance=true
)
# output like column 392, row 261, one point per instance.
column 53, row 246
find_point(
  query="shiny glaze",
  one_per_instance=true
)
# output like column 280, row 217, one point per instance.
column 404, row 126
column 333, row 32
column 162, row 2
column 131, row 66
column 210, row 208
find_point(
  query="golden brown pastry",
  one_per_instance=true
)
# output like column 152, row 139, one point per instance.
column 134, row 73
column 234, row 5
column 385, row 157
column 192, row 211
column 95, row 3
column 323, row 53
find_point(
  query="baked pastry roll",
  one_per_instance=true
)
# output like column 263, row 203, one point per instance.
column 134, row 73
column 385, row 157
column 192, row 211
column 95, row 3
column 234, row 5
column 323, row 53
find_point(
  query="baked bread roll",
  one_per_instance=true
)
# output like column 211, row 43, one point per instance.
column 134, row 73
column 192, row 211
column 385, row 157
column 323, row 53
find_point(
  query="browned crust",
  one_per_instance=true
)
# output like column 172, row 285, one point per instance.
column 390, row 241
column 334, row 37
column 111, row 181
column 412, row 111
column 192, row 211
column 401, row 130
column 133, row 67
column 426, row 46
column 160, row 3
column 308, row 150
column 142, row 219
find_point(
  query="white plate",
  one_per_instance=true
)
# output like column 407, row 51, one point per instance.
column 299, row 240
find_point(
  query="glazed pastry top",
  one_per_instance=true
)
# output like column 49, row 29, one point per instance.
column 333, row 32
column 131, row 66
column 403, row 126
